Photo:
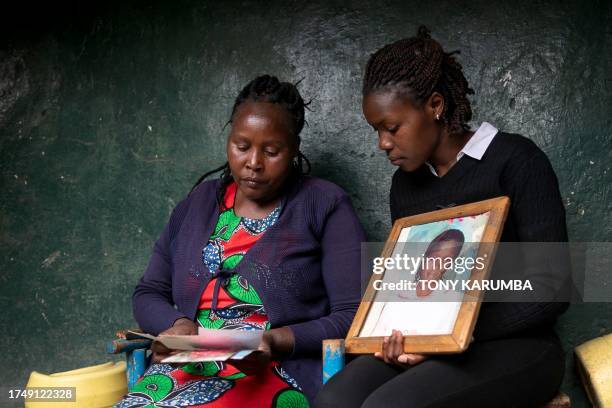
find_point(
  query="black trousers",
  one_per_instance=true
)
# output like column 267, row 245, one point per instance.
column 525, row 370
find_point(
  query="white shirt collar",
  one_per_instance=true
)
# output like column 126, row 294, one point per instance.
column 476, row 146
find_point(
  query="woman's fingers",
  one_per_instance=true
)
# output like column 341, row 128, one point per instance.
column 385, row 349
column 418, row 358
column 393, row 351
column 182, row 326
column 158, row 357
column 391, row 347
column 399, row 357
column 159, row 348
column 253, row 363
column 398, row 345
column 411, row 359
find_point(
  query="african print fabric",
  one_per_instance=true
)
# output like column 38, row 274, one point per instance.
column 227, row 303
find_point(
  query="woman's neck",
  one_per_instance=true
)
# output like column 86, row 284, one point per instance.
column 254, row 209
column 445, row 154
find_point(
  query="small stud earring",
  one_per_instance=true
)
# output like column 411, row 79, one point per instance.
column 437, row 116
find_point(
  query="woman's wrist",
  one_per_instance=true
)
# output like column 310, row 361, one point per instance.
column 280, row 341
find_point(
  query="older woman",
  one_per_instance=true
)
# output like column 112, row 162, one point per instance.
column 264, row 247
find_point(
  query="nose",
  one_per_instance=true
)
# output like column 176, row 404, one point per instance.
column 384, row 141
column 254, row 161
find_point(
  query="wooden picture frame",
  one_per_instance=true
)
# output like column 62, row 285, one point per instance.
column 456, row 341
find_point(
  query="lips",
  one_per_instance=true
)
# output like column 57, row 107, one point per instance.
column 252, row 181
column 395, row 160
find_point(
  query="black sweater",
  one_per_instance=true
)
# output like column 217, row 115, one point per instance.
column 515, row 167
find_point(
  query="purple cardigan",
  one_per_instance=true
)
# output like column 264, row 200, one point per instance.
column 305, row 268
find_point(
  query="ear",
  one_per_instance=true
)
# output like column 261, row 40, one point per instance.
column 435, row 106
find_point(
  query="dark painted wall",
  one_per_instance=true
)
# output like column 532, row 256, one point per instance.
column 108, row 114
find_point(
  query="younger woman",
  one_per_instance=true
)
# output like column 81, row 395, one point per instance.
column 415, row 98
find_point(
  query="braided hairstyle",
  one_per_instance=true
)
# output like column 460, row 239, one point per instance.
column 267, row 88
column 417, row 67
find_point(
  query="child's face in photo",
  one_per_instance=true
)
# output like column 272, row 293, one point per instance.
column 443, row 250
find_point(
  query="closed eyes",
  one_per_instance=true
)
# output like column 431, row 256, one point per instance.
column 391, row 129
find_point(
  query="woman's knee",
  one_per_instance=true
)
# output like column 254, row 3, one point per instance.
column 351, row 386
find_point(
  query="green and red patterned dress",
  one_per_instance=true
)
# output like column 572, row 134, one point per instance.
column 232, row 306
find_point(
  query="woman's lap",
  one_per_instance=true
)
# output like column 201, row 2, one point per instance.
column 213, row 384
column 514, row 372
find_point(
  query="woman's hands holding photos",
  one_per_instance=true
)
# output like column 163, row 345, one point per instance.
column 393, row 352
column 182, row 326
column 275, row 344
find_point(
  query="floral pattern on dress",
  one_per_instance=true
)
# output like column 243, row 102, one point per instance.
column 238, row 307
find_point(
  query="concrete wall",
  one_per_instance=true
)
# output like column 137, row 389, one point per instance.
column 109, row 112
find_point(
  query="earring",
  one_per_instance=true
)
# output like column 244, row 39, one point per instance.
column 437, row 116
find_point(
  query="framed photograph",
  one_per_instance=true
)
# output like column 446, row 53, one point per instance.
column 427, row 281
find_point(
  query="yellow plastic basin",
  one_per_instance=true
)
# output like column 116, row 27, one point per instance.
column 594, row 363
column 97, row 386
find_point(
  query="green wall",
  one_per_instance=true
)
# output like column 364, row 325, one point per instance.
column 109, row 113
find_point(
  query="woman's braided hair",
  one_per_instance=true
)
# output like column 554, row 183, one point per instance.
column 417, row 67
column 267, row 88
